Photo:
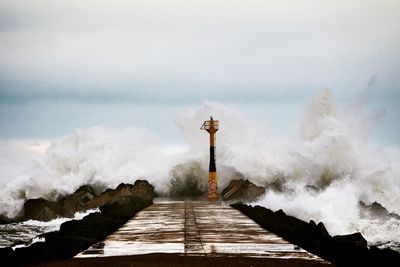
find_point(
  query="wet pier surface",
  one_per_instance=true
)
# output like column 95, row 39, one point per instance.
column 195, row 228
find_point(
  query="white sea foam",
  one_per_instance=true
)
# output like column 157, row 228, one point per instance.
column 28, row 232
column 332, row 153
column 334, row 156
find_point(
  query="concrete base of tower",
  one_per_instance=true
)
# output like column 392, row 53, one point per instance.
column 213, row 197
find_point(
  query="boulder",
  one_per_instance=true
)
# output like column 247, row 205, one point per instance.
column 356, row 240
column 343, row 250
column 376, row 211
column 242, row 190
column 45, row 210
column 83, row 199
column 41, row 210
column 140, row 189
column 4, row 219
column 322, row 230
column 77, row 235
column 78, row 201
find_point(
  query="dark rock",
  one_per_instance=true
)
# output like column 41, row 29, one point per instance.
column 19, row 242
column 78, row 201
column 89, row 226
column 345, row 250
column 355, row 239
column 129, row 205
column 376, row 211
column 312, row 223
column 41, row 210
column 84, row 199
column 141, row 189
column 85, row 189
column 280, row 213
column 277, row 186
column 322, row 230
column 44, row 210
column 4, row 252
column 64, row 245
column 35, row 253
column 5, row 220
column 384, row 257
column 77, row 235
column 242, row 190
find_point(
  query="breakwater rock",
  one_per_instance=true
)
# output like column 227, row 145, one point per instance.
column 82, row 199
column 243, row 190
column 77, row 235
column 376, row 211
column 341, row 250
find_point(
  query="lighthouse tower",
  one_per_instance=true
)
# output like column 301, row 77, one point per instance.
column 211, row 127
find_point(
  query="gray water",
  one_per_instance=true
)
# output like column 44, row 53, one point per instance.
column 18, row 234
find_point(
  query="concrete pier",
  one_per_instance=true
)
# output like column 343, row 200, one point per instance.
column 195, row 228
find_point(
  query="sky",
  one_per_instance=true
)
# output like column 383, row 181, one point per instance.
column 78, row 64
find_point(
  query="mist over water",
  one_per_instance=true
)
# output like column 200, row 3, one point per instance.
column 331, row 154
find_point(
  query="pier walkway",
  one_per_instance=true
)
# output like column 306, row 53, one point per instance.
column 197, row 228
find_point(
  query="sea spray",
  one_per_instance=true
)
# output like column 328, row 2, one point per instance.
column 334, row 157
column 321, row 175
column 97, row 156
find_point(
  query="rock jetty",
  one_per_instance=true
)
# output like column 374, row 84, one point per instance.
column 116, row 208
column 341, row 250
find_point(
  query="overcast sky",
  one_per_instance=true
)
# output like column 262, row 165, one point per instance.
column 81, row 63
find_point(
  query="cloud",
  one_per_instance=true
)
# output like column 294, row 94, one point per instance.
column 62, row 63
column 88, row 45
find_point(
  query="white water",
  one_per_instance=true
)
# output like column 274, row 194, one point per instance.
column 28, row 232
column 332, row 153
